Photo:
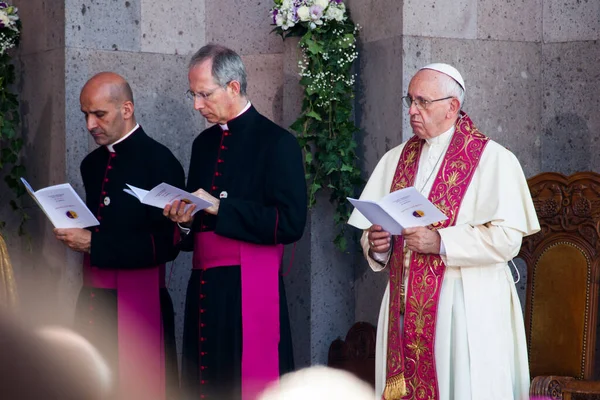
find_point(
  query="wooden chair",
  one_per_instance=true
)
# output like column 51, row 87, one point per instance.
column 563, row 270
column 356, row 354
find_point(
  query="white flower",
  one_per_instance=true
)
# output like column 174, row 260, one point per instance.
column 321, row 3
column 304, row 13
column 5, row 20
column 336, row 13
column 279, row 19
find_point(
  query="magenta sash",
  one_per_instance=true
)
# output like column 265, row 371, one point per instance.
column 260, row 302
column 140, row 334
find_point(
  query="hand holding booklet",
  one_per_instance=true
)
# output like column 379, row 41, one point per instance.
column 164, row 194
column 62, row 205
column 405, row 208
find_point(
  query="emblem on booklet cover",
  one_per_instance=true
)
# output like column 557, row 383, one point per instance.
column 106, row 200
column 223, row 195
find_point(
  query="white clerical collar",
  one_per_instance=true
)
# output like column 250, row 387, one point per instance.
column 225, row 127
column 110, row 146
column 441, row 139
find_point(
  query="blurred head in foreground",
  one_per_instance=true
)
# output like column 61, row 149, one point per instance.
column 319, row 383
column 82, row 362
column 51, row 364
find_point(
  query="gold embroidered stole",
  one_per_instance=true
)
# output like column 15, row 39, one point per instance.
column 8, row 289
column 411, row 372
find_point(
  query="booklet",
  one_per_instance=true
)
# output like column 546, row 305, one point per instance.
column 164, row 194
column 405, row 208
column 62, row 205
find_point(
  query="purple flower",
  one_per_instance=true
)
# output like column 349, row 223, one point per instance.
column 335, row 1
column 275, row 12
column 3, row 4
column 316, row 12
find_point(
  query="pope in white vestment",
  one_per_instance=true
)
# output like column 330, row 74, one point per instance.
column 480, row 349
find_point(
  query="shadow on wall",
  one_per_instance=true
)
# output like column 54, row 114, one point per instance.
column 567, row 144
column 43, row 260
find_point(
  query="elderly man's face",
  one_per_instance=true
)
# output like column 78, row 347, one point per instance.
column 214, row 102
column 434, row 120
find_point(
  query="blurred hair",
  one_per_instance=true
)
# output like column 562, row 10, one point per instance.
column 319, row 383
column 37, row 367
column 80, row 358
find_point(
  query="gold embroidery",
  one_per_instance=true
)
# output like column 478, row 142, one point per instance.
column 411, row 353
column 452, row 179
column 395, row 387
column 458, row 164
column 418, row 347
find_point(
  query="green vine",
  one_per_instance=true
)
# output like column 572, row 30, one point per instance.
column 325, row 127
column 11, row 142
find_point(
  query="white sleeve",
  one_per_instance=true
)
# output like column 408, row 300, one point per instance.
column 474, row 246
column 376, row 264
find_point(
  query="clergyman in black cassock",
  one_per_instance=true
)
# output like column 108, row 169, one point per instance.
column 124, row 257
column 237, row 334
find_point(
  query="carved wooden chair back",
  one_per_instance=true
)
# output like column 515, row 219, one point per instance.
column 562, row 275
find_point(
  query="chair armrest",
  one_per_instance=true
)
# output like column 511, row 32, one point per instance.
column 563, row 387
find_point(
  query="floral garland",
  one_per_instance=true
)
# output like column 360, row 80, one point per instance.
column 325, row 128
column 9, row 27
column 10, row 138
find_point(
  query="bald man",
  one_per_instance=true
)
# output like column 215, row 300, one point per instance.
column 123, row 307
column 450, row 325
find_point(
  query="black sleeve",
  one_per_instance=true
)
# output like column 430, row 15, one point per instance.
column 153, row 240
column 281, row 219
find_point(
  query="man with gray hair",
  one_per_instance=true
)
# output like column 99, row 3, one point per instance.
column 252, row 171
column 450, row 325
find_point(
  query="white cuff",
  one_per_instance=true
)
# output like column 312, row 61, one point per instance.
column 381, row 257
column 183, row 229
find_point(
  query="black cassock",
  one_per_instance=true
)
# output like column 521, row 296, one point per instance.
column 131, row 235
column 256, row 170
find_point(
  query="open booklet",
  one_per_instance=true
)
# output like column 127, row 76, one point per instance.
column 62, row 205
column 405, row 208
column 164, row 194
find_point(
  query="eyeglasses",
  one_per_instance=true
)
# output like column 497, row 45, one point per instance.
column 420, row 102
column 201, row 95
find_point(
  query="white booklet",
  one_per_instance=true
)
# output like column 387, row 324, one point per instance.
column 62, row 205
column 164, row 194
column 405, row 208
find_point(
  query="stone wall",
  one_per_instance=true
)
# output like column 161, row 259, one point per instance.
column 532, row 84
column 531, row 71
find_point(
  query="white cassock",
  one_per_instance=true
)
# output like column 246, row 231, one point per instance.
column 480, row 347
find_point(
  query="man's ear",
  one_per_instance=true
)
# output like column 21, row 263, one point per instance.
column 127, row 109
column 235, row 87
column 454, row 107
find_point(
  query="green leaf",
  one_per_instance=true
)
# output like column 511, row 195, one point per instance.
column 297, row 126
column 314, row 115
column 308, row 157
column 340, row 242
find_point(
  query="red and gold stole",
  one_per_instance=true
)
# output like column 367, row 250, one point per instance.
column 411, row 371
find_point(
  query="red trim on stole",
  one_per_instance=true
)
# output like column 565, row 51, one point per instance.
column 410, row 355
